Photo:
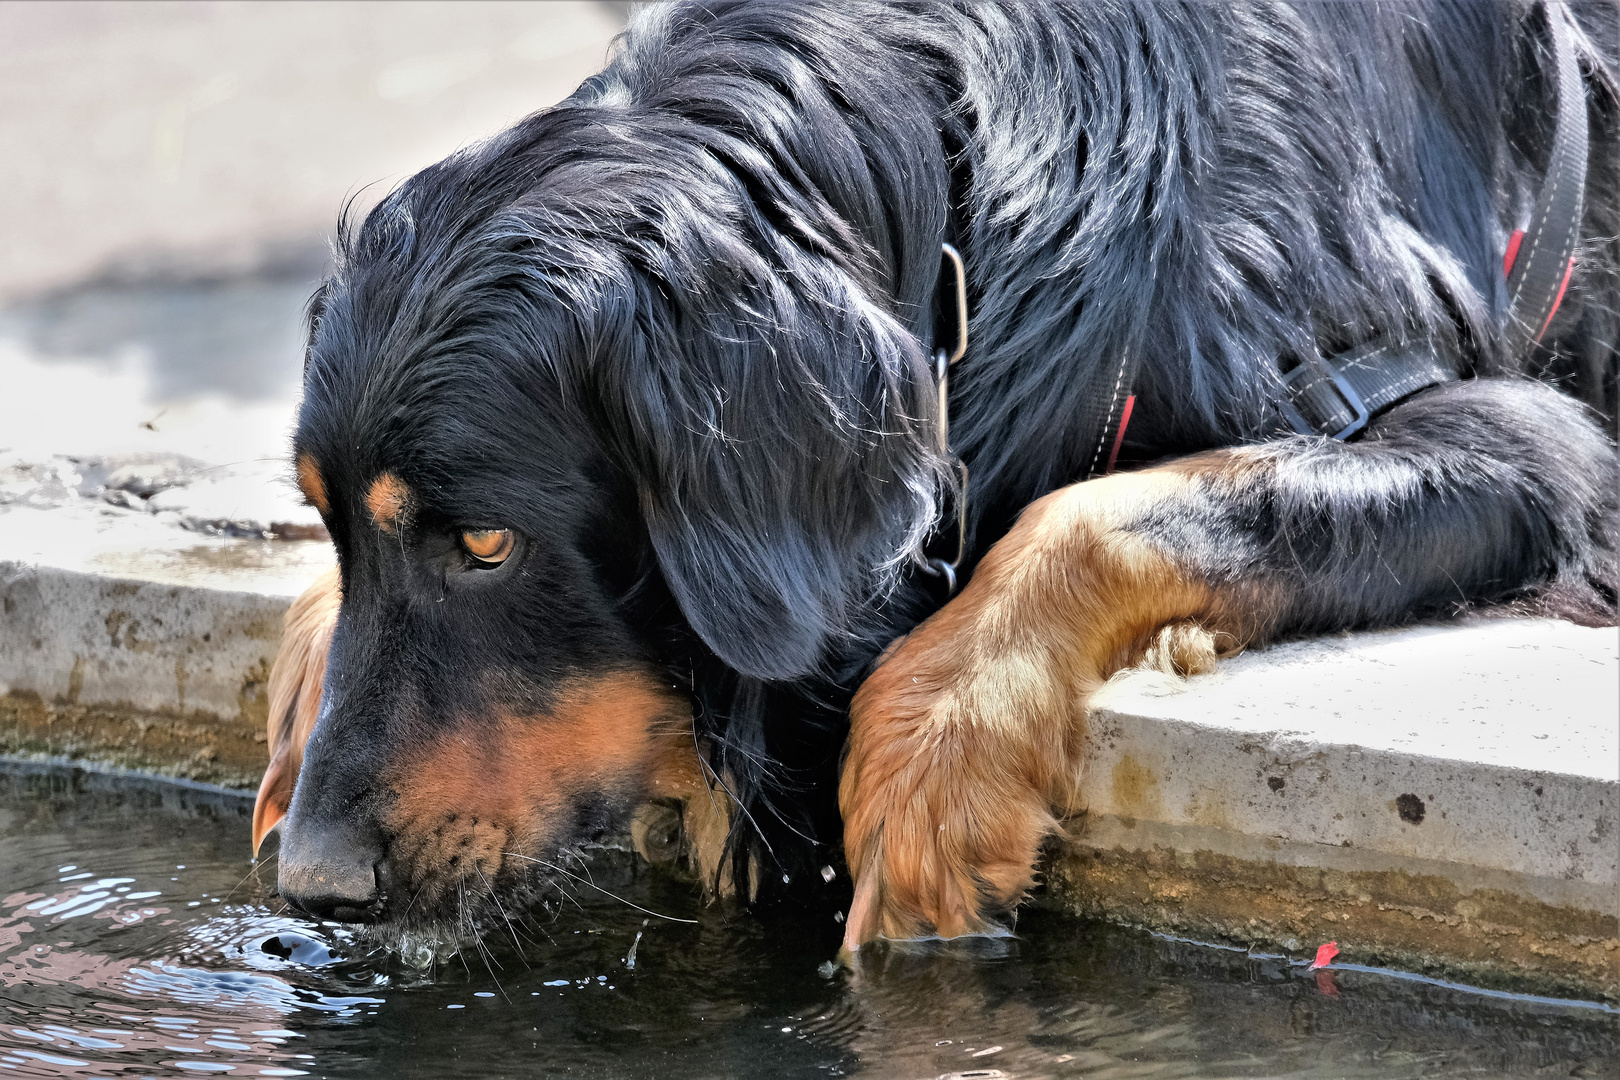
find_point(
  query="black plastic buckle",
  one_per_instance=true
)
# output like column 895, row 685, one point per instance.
column 1296, row 420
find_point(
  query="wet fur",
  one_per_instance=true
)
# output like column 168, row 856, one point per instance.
column 674, row 332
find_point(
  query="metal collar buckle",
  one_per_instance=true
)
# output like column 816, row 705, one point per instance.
column 942, row 366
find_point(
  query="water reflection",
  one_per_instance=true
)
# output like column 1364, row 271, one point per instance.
column 150, row 966
column 137, row 940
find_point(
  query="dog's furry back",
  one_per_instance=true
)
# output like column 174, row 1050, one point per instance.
column 1222, row 189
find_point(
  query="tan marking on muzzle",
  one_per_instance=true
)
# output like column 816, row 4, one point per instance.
column 489, row 788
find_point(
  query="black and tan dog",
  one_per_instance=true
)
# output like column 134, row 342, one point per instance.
column 626, row 425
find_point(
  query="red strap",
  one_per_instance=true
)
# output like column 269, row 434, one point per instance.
column 1512, row 254
column 1559, row 299
column 1119, row 436
column 1512, row 251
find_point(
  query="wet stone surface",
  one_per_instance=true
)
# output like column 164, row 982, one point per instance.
column 137, row 939
column 244, row 500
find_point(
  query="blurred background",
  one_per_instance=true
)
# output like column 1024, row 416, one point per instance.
column 170, row 178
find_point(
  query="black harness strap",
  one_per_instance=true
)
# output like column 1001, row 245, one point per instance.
column 1336, row 396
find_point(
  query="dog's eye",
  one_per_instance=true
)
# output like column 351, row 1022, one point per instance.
column 490, row 546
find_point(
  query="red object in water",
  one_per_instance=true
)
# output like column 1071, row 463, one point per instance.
column 1324, row 955
column 1324, row 983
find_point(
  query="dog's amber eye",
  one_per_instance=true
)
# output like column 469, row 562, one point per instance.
column 488, row 545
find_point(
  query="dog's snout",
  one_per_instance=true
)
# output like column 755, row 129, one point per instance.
column 332, row 875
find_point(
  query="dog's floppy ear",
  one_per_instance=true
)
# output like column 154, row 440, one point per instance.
column 295, row 696
column 776, row 424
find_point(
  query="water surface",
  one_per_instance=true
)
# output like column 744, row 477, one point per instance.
column 137, row 940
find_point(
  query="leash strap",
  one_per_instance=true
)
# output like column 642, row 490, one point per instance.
column 1543, row 261
column 1336, row 396
column 1121, row 403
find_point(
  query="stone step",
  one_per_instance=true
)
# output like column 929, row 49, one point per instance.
column 130, row 642
column 1444, row 797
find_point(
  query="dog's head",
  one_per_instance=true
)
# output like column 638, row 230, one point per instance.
column 578, row 406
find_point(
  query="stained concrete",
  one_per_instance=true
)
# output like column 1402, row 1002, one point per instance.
column 126, row 640
column 1442, row 797
column 1496, row 744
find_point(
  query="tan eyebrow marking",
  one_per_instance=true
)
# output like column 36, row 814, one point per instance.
column 311, row 484
column 389, row 501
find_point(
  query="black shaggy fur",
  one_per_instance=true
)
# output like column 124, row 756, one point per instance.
column 676, row 331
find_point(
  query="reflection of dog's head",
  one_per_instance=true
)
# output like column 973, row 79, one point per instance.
column 594, row 405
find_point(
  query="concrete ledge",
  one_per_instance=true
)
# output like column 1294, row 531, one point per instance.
column 1439, row 799
column 141, row 645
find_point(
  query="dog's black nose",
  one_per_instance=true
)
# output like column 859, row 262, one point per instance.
column 332, row 874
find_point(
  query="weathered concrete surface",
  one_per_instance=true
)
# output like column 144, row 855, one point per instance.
column 253, row 499
column 140, row 644
column 1437, row 797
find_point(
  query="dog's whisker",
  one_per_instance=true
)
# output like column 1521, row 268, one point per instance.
column 529, row 923
column 488, row 959
column 713, row 774
column 252, row 873
column 570, row 897
column 420, row 886
column 598, row 888
column 490, row 964
column 502, row 911
column 461, row 920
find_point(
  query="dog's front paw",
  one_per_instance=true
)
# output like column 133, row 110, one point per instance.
column 945, row 804
column 971, row 728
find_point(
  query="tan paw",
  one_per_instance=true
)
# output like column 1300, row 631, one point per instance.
column 970, row 730
column 946, row 789
column 940, row 853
